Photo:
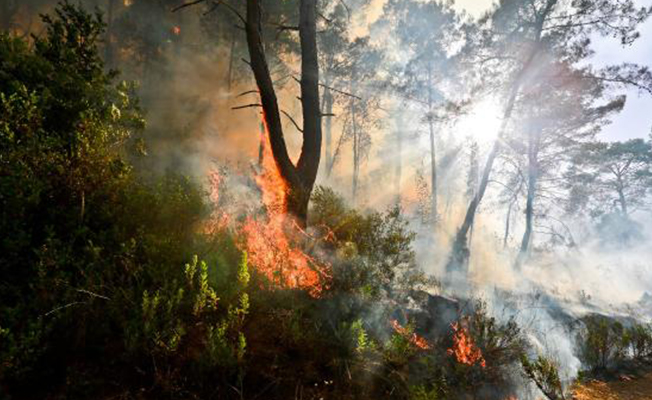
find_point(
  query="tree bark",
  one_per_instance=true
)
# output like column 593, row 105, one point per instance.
column 300, row 179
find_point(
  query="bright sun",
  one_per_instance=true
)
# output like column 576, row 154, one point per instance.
column 482, row 123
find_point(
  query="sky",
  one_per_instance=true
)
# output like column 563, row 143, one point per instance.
column 636, row 118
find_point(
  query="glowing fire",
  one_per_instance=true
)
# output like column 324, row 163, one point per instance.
column 176, row 30
column 415, row 339
column 464, row 350
column 271, row 240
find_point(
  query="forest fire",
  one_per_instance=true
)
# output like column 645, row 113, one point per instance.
column 272, row 241
column 464, row 350
column 406, row 199
column 415, row 339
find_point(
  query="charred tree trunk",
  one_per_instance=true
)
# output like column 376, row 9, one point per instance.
column 300, row 179
column 261, row 144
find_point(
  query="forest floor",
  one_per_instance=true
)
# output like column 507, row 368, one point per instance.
column 624, row 388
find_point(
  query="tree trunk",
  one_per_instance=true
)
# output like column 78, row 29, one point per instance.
column 460, row 253
column 508, row 218
column 399, row 158
column 229, row 74
column 356, row 154
column 300, row 179
column 621, row 198
column 433, row 155
column 328, row 125
column 533, row 173
column 261, row 144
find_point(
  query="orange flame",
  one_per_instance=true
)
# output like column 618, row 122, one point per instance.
column 266, row 240
column 176, row 30
column 269, row 240
column 415, row 339
column 464, row 350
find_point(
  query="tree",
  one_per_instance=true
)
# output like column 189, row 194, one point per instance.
column 299, row 178
column 619, row 173
column 514, row 40
column 422, row 33
column 556, row 116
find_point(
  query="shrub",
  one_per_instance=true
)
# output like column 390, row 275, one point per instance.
column 374, row 250
column 639, row 339
column 601, row 343
column 545, row 375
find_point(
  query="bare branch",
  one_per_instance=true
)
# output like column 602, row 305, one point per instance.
column 293, row 121
column 332, row 88
column 247, row 92
column 340, row 91
column 247, row 106
column 184, row 5
column 233, row 10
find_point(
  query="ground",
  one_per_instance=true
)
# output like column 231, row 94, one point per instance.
column 625, row 388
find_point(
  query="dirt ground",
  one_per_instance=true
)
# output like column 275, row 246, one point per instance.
column 625, row 388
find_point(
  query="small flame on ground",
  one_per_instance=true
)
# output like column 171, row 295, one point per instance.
column 415, row 339
column 464, row 350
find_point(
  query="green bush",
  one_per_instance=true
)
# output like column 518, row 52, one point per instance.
column 602, row 342
column 639, row 338
column 545, row 375
column 374, row 250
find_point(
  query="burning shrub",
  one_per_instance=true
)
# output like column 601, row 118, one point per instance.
column 482, row 352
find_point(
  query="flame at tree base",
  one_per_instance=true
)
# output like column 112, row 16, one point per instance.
column 272, row 240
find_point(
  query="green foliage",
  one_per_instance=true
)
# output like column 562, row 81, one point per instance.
column 180, row 313
column 422, row 392
column 375, row 255
column 639, row 338
column 602, row 342
column 545, row 374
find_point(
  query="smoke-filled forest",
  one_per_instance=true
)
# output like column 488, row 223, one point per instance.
column 326, row 199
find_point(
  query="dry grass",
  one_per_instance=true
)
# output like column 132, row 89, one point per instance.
column 625, row 388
